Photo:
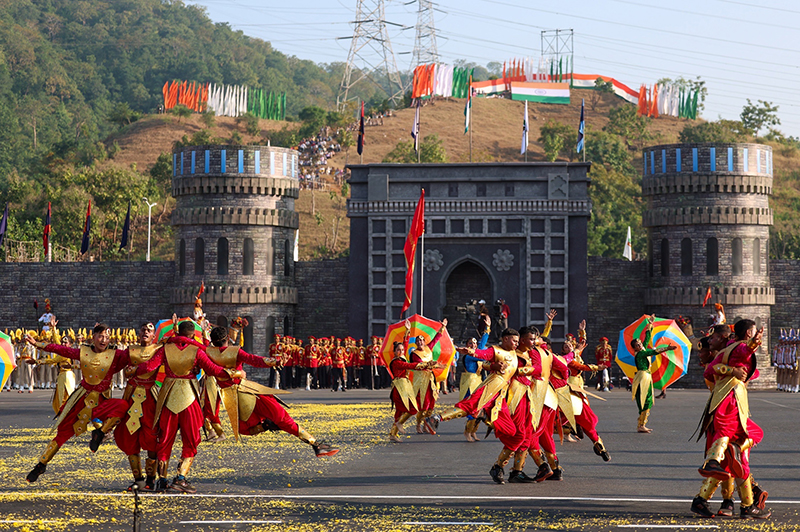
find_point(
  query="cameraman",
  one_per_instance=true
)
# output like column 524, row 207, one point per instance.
column 503, row 312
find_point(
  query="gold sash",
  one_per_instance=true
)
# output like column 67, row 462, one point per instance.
column 138, row 355
column 406, row 392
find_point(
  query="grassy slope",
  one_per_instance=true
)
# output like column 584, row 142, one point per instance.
column 497, row 127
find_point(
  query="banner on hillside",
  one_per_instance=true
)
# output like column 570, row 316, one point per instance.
column 540, row 92
column 225, row 100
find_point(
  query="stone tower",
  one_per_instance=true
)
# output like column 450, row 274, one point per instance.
column 708, row 220
column 235, row 227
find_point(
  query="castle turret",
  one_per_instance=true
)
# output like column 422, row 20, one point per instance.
column 708, row 220
column 235, row 227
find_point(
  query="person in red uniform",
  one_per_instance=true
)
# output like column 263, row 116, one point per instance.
column 88, row 401
column 254, row 408
column 136, row 431
column 178, row 406
column 384, row 377
column 351, row 371
column 364, row 374
column 603, row 355
column 402, row 394
column 726, row 423
column 489, row 400
column 338, row 362
column 275, row 350
column 312, row 356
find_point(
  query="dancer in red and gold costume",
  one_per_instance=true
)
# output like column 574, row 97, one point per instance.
column 726, row 423
column 402, row 395
column 136, row 431
column 253, row 408
column 489, row 402
column 426, row 390
column 584, row 415
column 178, row 406
column 88, row 401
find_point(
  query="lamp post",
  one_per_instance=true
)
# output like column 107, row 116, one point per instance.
column 149, row 212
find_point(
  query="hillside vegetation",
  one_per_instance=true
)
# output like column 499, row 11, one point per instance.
column 79, row 83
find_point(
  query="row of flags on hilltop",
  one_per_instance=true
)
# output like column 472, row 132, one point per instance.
column 85, row 235
column 225, row 100
column 667, row 99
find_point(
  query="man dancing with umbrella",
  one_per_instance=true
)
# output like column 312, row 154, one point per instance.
column 643, row 381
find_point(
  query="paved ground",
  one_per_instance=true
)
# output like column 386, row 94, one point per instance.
column 425, row 483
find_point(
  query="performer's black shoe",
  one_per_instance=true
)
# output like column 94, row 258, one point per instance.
column 497, row 474
column 600, row 450
column 323, row 449
column 270, row 425
column 37, row 470
column 519, row 477
column 489, row 429
column 149, row 484
column 558, row 474
column 545, row 472
column 726, row 508
column 137, row 485
column 97, row 439
column 179, row 483
column 754, row 512
column 161, row 485
column 700, row 507
column 712, row 469
column 759, row 495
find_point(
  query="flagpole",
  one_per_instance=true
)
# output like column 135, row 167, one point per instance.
column 422, row 272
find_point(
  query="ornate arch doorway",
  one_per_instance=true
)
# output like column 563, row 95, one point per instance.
column 467, row 282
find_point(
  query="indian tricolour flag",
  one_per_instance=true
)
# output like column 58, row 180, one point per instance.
column 491, row 86
column 540, row 92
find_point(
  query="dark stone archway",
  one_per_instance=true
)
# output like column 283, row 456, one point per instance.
column 467, row 282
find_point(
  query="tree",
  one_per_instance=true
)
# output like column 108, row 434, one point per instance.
column 755, row 117
column 719, row 131
column 607, row 149
column 313, row 118
column 208, row 118
column 616, row 204
column 346, row 141
column 558, row 139
column 431, row 150
column 181, row 111
column 601, row 87
column 625, row 122
column 251, row 123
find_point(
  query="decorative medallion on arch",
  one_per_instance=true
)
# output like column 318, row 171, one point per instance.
column 433, row 260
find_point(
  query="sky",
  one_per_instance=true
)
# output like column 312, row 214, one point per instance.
column 740, row 48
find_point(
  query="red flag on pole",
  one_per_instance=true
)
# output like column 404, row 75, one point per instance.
column 46, row 234
column 410, row 249
column 360, row 145
column 708, row 296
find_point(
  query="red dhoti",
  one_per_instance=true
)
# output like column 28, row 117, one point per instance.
column 400, row 406
column 107, row 408
column 728, row 424
column 543, row 436
column 189, row 421
column 514, row 431
column 145, row 436
column 268, row 408
column 587, row 420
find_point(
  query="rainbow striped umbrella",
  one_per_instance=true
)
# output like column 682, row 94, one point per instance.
column 164, row 329
column 443, row 351
column 667, row 367
column 7, row 359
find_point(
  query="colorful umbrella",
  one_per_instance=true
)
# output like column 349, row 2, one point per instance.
column 667, row 367
column 7, row 359
column 164, row 329
column 443, row 351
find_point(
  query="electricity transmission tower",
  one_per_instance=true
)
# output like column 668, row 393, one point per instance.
column 425, row 50
column 372, row 49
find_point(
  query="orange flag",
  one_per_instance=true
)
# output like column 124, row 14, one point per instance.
column 654, row 103
column 165, row 92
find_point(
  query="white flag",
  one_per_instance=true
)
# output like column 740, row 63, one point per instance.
column 297, row 245
column 628, row 251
